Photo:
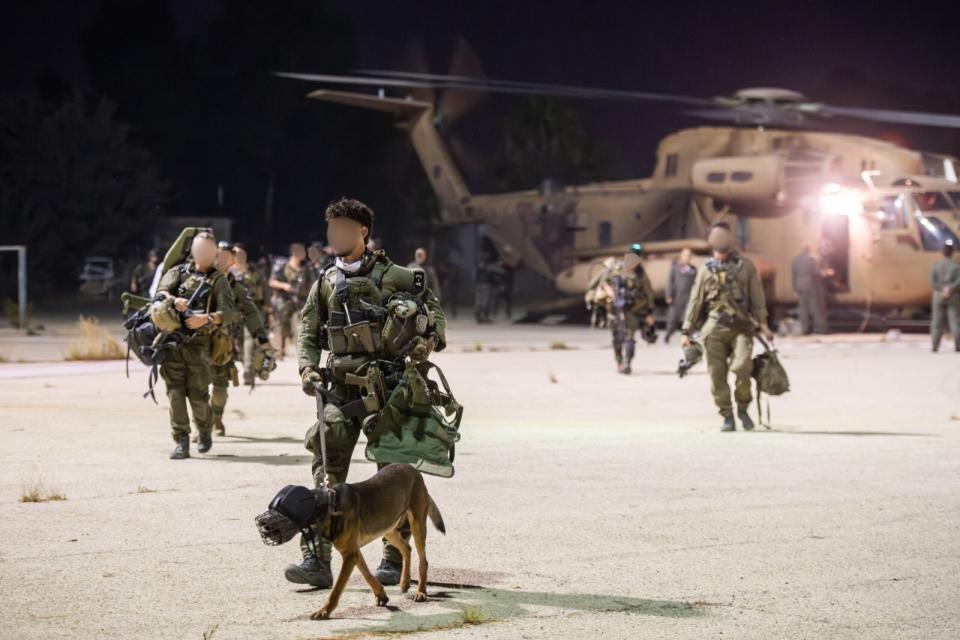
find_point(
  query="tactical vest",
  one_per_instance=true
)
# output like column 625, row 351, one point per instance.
column 298, row 279
column 356, row 311
column 190, row 281
column 724, row 294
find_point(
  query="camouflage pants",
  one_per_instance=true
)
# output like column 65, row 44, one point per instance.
column 944, row 314
column 624, row 329
column 186, row 373
column 220, row 376
column 341, row 435
column 727, row 351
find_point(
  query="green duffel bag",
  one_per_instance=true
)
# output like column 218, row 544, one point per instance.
column 419, row 425
column 771, row 379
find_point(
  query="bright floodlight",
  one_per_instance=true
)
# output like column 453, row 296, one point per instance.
column 836, row 200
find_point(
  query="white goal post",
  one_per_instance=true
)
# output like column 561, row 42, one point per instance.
column 21, row 251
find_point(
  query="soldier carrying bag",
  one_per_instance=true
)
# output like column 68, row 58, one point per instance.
column 419, row 425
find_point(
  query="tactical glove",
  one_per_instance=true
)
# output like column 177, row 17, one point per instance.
column 309, row 379
column 420, row 348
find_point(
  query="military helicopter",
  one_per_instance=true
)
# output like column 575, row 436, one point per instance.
column 878, row 213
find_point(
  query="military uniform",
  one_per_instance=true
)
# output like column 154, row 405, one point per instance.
column 811, row 297
column 247, row 317
column 186, row 371
column 945, row 273
column 340, row 298
column 257, row 289
column 286, row 304
column 143, row 275
column 633, row 300
column 679, row 285
column 727, row 298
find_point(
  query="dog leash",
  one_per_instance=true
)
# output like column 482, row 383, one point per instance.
column 321, row 428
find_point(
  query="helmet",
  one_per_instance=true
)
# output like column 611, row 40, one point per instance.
column 637, row 248
column 691, row 356
column 164, row 315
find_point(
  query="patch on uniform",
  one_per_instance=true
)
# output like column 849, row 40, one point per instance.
column 419, row 280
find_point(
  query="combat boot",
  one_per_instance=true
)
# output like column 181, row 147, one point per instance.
column 182, row 450
column 388, row 573
column 205, row 441
column 745, row 418
column 218, row 426
column 312, row 571
column 728, row 424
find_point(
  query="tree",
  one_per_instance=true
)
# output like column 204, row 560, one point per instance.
column 72, row 184
column 545, row 140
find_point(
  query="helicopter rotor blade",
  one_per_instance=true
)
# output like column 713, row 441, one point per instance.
column 456, row 103
column 468, row 83
column 899, row 117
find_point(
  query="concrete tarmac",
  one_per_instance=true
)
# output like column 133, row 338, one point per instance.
column 585, row 503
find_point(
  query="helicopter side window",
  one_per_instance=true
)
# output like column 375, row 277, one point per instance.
column 741, row 176
column 893, row 212
column 955, row 197
column 931, row 201
column 934, row 233
column 671, row 167
column 604, row 234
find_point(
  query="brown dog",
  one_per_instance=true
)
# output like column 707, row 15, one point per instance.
column 376, row 508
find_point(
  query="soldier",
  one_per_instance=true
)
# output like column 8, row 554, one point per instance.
column 290, row 281
column 256, row 286
column 811, row 297
column 186, row 371
column 682, row 273
column 420, row 262
column 632, row 303
column 142, row 277
column 353, row 292
column 727, row 301
column 945, row 304
column 247, row 316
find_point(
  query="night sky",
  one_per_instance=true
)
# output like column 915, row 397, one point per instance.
column 884, row 55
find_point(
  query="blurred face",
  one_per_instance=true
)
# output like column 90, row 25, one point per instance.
column 224, row 260
column 685, row 256
column 204, row 252
column 346, row 236
column 420, row 256
column 297, row 251
column 240, row 259
column 720, row 240
column 314, row 254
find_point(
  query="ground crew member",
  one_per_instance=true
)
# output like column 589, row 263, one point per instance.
column 420, row 262
column 631, row 304
column 186, row 370
column 727, row 304
column 945, row 304
column 682, row 273
column 811, row 297
column 353, row 292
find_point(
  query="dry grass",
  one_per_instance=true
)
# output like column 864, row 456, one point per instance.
column 143, row 489
column 560, row 345
column 94, row 343
column 36, row 491
column 208, row 634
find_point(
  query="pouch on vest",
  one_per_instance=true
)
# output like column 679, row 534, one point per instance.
column 418, row 426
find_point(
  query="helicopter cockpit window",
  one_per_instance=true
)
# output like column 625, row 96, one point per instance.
column 931, row 201
column 716, row 177
column 934, row 233
column 893, row 212
column 741, row 176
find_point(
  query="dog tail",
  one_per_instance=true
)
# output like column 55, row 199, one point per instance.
column 435, row 516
